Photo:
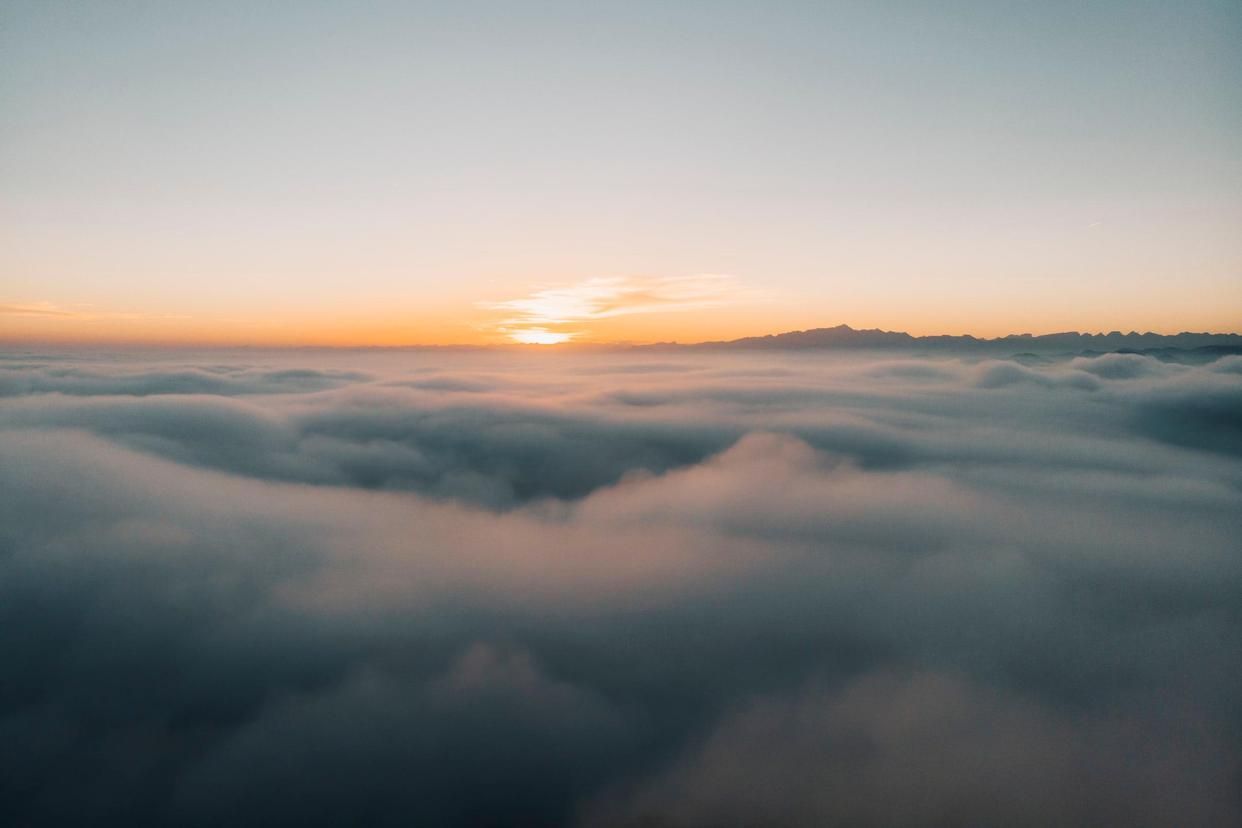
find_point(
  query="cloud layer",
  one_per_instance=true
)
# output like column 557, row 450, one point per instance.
column 608, row 589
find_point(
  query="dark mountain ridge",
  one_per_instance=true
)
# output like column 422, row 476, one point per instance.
column 845, row 337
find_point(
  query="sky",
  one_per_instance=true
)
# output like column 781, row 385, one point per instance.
column 473, row 172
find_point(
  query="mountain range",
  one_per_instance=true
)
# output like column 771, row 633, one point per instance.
column 845, row 337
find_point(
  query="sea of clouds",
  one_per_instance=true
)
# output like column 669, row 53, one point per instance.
column 618, row 588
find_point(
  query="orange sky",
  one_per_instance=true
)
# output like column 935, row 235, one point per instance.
column 736, row 312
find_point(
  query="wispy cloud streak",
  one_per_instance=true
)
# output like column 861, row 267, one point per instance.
column 558, row 314
column 51, row 310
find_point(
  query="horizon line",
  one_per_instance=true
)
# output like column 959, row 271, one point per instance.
column 143, row 344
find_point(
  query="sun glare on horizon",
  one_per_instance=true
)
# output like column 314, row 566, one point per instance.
column 539, row 336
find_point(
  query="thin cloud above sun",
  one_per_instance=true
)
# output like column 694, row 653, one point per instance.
column 553, row 315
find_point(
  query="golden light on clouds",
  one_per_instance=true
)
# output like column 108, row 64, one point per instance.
column 553, row 315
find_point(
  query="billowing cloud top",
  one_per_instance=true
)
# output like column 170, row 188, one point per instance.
column 614, row 589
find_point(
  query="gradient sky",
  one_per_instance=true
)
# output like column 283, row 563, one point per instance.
column 393, row 173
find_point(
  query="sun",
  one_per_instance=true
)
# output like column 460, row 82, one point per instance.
column 539, row 336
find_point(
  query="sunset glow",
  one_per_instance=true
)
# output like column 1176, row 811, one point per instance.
column 539, row 336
